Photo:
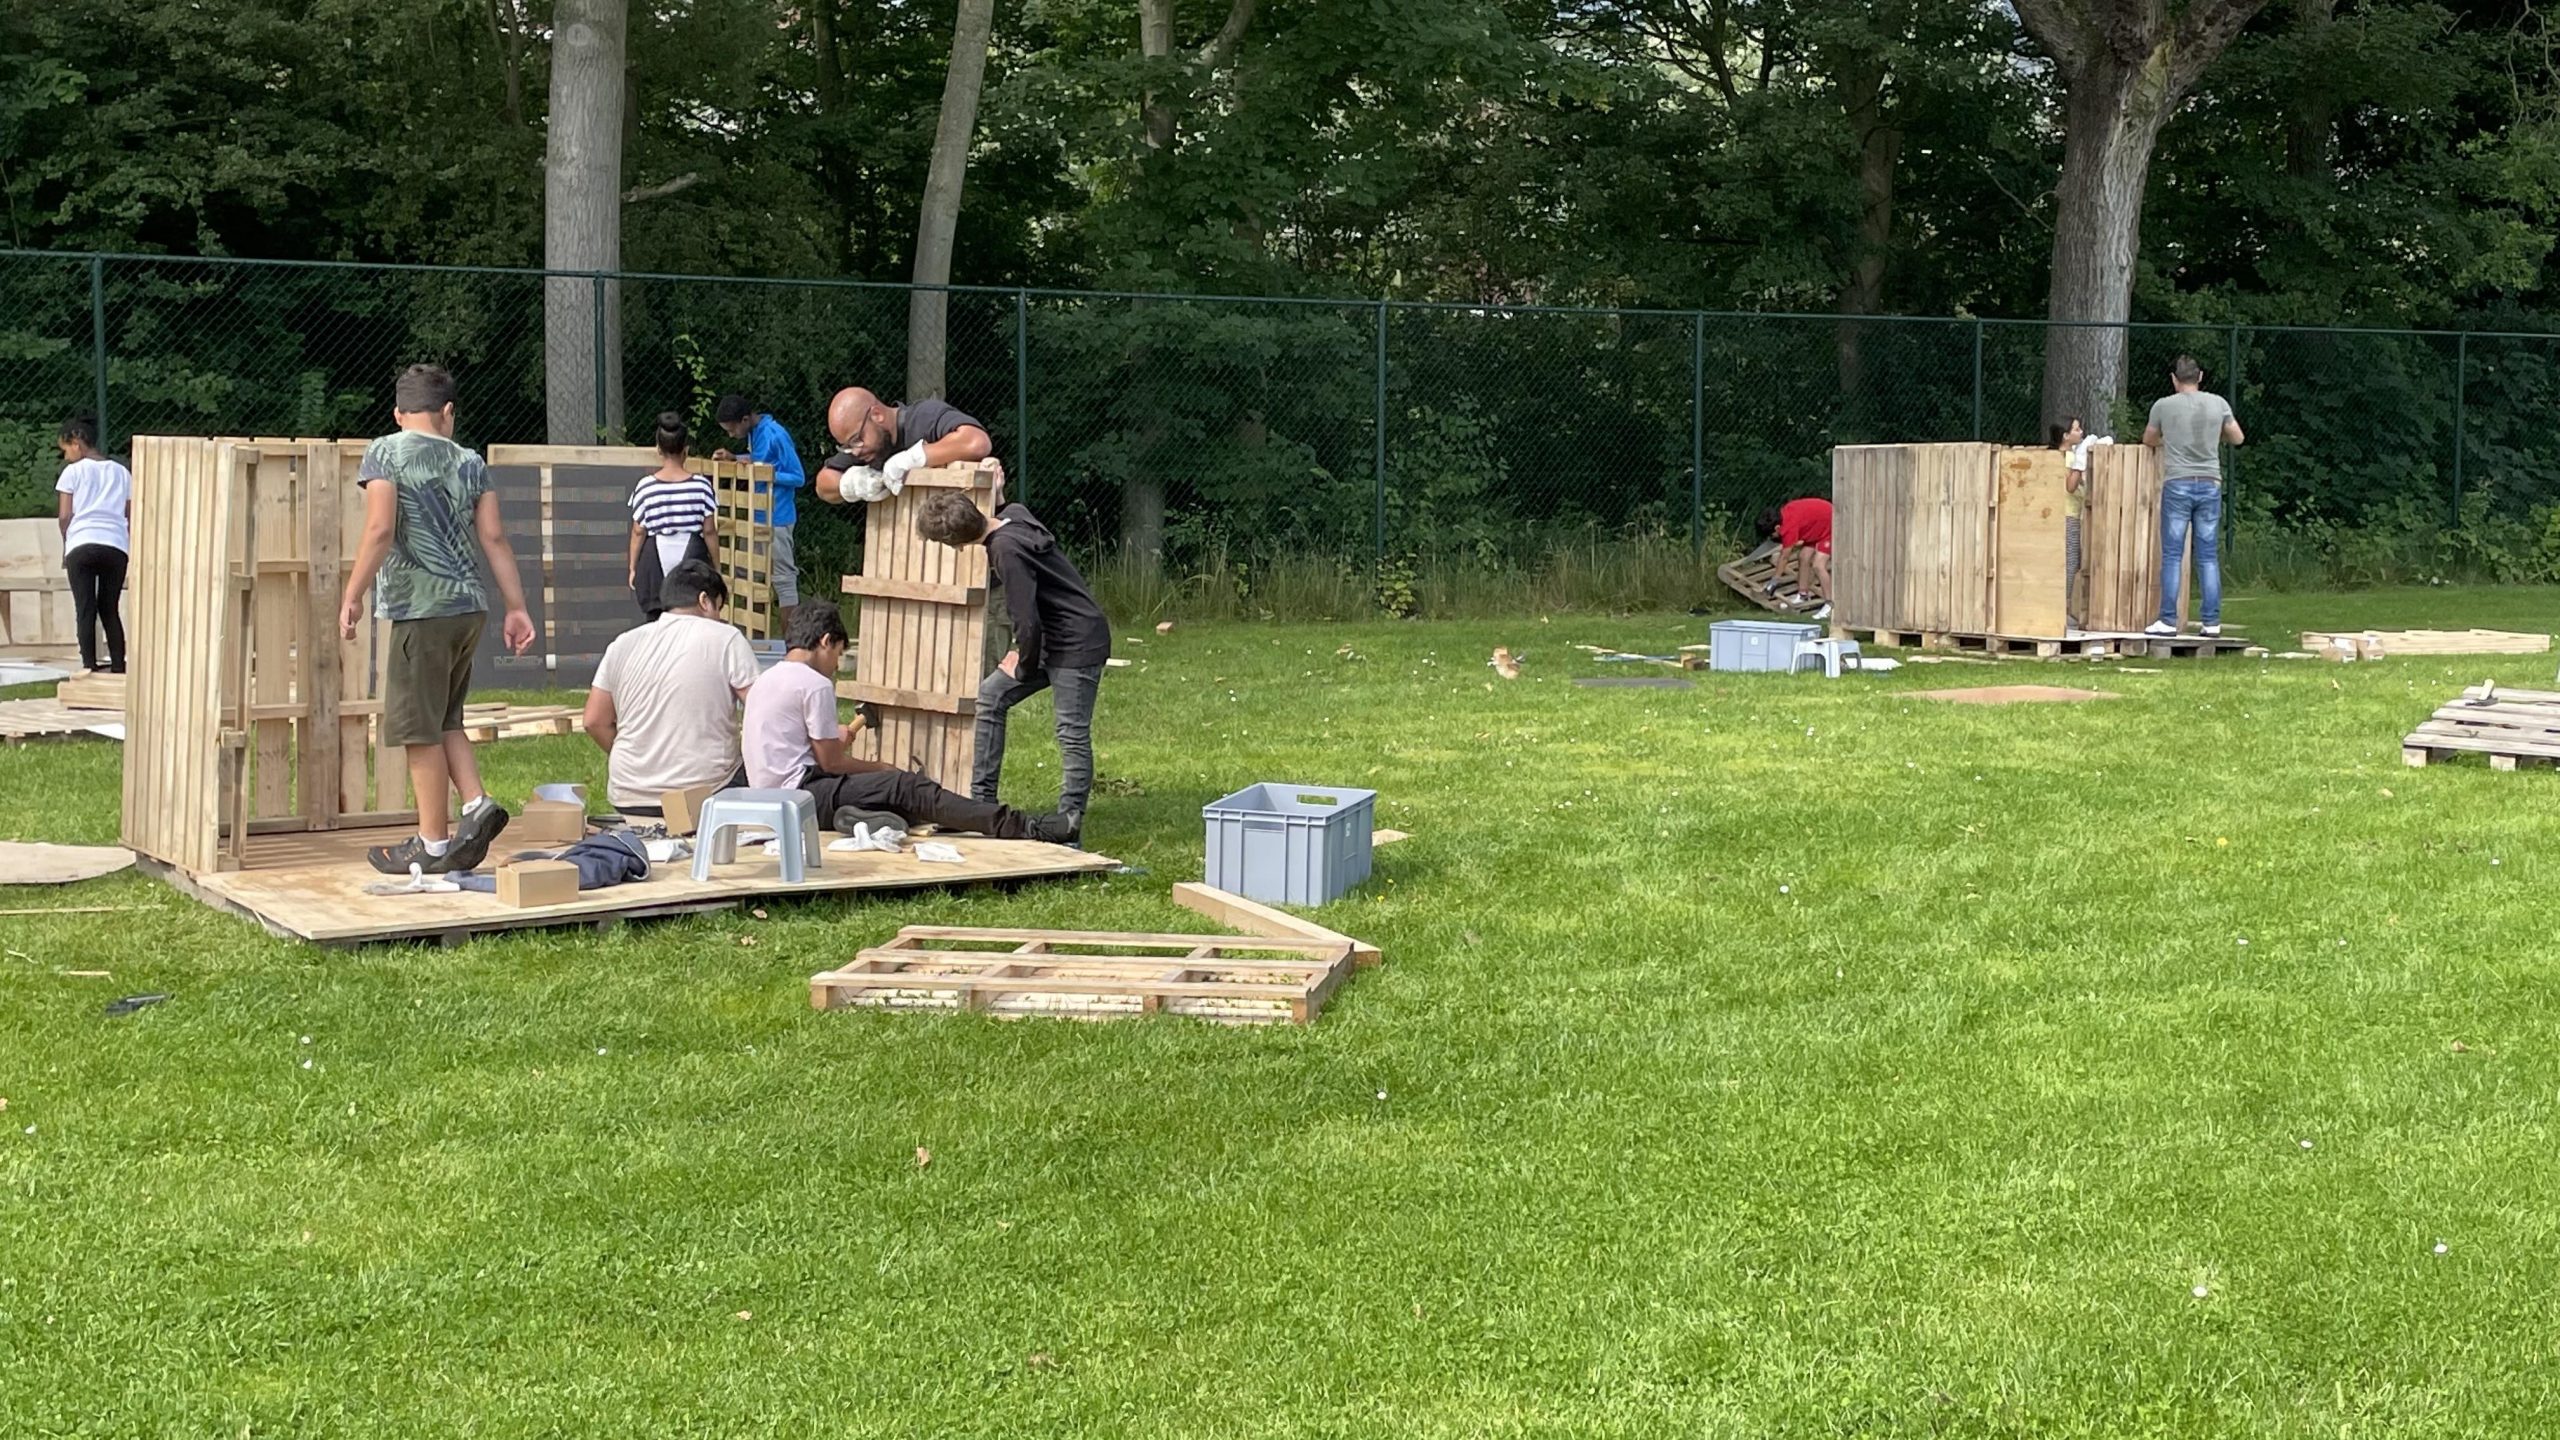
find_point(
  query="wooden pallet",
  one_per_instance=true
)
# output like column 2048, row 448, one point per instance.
column 1749, row 577
column 2514, row 728
column 91, row 692
column 2089, row 646
column 1092, row 975
column 484, row 723
column 25, row 720
column 921, row 632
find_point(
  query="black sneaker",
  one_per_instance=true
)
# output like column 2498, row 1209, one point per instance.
column 473, row 835
column 851, row 815
column 1058, row 827
column 398, row 859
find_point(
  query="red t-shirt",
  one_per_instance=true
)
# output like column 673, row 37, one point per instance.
column 1805, row 522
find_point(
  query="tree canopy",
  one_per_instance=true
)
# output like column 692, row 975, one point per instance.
column 2347, row 160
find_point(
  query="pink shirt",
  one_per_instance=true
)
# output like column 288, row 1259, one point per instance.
column 790, row 706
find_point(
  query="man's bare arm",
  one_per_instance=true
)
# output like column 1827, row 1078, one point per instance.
column 2151, row 436
column 381, row 519
column 2232, row 432
column 835, row 758
column 603, row 723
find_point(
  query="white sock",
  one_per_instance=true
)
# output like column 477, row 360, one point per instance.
column 475, row 805
column 435, row 847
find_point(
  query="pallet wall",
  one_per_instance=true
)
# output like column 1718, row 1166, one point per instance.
column 1967, row 539
column 246, row 711
column 35, row 595
column 921, row 632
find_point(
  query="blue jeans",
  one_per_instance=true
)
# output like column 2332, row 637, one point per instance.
column 2196, row 505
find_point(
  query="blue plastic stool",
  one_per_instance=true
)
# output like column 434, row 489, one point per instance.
column 792, row 815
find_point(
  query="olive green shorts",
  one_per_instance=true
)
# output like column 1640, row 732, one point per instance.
column 429, row 677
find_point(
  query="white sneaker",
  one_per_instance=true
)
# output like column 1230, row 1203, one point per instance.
column 1824, row 613
column 2160, row 628
column 2212, row 632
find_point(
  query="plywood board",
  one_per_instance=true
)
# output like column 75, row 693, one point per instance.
column 2028, row 569
column 311, row 886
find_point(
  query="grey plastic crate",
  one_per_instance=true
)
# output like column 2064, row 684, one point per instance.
column 1290, row 844
column 1756, row 644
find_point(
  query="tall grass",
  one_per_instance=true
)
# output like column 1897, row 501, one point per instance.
column 1583, row 573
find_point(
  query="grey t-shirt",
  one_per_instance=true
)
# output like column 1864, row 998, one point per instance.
column 2190, row 424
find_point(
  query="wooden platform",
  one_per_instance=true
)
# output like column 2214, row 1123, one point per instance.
column 309, row 885
column 25, row 720
column 2514, row 728
column 2086, row 646
column 1092, row 975
column 2382, row 644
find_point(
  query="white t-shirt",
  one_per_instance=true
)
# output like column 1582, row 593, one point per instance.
column 675, row 684
column 2080, row 452
column 99, row 491
column 791, row 706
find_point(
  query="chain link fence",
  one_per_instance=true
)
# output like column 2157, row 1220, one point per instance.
column 1395, row 453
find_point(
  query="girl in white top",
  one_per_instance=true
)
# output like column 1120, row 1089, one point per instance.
column 672, row 517
column 96, row 513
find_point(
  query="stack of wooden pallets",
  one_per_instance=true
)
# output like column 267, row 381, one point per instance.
column 1750, row 577
column 2512, row 727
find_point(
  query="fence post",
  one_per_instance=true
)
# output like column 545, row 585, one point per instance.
column 1697, row 434
column 1021, row 485
column 2461, row 377
column 2231, row 457
column 98, row 342
column 1977, row 377
column 1378, row 459
column 596, row 281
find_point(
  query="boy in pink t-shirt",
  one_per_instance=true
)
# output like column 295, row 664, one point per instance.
column 792, row 740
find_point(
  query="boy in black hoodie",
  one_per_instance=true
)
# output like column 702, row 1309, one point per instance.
column 1060, row 639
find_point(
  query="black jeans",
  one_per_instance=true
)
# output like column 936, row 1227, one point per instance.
column 915, row 799
column 97, row 587
column 999, row 693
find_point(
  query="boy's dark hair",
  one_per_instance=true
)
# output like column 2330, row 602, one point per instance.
column 2186, row 371
column 80, row 430
column 813, row 623
column 735, row 407
column 2059, row 428
column 951, row 518
column 1769, row 520
column 686, row 584
column 422, row 390
column 671, row 436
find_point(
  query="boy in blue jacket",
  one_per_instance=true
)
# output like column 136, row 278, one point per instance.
column 769, row 444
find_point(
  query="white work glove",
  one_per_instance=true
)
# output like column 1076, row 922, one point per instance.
column 867, row 485
column 866, row 838
column 911, row 458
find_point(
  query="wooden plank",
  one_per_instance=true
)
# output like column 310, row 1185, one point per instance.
column 1329, row 946
column 933, row 592
column 2029, row 566
column 1255, row 918
column 91, row 692
column 907, row 699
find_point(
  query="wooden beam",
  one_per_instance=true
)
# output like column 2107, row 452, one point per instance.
column 914, row 590
column 857, row 690
column 1255, row 918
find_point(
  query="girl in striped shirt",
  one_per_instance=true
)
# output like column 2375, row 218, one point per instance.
column 671, row 517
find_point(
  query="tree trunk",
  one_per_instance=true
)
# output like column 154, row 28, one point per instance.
column 2312, row 109
column 929, row 309
column 1155, row 42
column 1142, row 512
column 2125, row 65
column 1879, row 149
column 582, row 223
column 2112, row 121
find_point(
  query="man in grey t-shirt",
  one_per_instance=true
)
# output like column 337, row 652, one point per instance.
column 2188, row 427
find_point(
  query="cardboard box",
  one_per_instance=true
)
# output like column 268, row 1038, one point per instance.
column 537, row 882
column 547, row 823
column 684, row 807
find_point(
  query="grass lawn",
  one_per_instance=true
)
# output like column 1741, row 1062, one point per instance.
column 1777, row 1057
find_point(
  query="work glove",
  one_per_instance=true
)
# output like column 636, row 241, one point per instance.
column 911, row 458
column 867, row 485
